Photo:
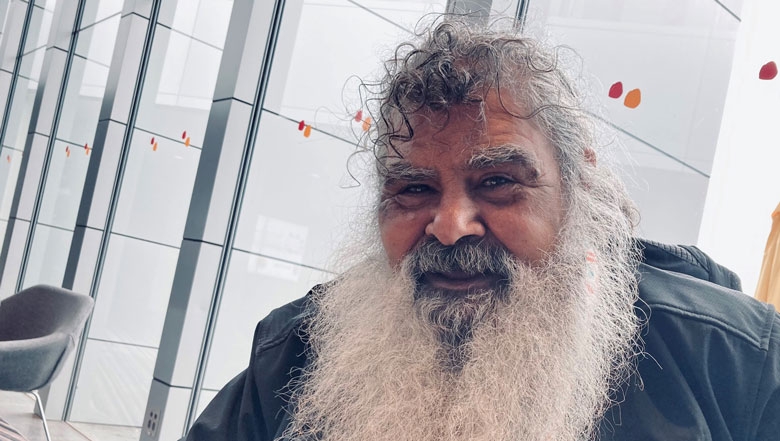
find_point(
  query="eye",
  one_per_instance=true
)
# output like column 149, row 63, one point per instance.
column 414, row 189
column 495, row 181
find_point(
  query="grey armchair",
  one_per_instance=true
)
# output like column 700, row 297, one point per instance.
column 38, row 329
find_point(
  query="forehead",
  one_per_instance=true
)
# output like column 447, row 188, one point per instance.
column 468, row 134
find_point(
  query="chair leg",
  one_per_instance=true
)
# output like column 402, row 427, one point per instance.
column 43, row 415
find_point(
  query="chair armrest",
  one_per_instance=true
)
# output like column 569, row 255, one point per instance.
column 27, row 365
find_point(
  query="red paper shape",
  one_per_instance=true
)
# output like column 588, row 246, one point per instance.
column 67, row 151
column 184, row 134
column 152, row 143
column 616, row 90
column 301, row 125
column 359, row 115
column 633, row 98
column 8, row 158
column 307, row 131
column 768, row 71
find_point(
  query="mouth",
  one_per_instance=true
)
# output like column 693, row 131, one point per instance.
column 461, row 281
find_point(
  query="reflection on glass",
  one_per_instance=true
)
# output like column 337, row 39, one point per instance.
column 18, row 123
column 152, row 206
column 179, row 87
column 14, row 133
column 97, row 10
column 70, row 157
column 40, row 25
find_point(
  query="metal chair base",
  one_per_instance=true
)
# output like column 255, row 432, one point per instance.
column 43, row 414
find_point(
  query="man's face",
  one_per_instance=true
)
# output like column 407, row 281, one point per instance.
column 493, row 178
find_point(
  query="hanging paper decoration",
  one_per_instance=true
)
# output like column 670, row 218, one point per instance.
column 67, row 151
column 366, row 124
column 768, row 71
column 633, row 98
column 8, row 158
column 359, row 115
column 154, row 144
column 301, row 125
column 86, row 149
column 184, row 134
column 187, row 142
column 616, row 90
column 307, row 131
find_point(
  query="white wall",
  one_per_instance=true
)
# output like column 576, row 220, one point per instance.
column 745, row 183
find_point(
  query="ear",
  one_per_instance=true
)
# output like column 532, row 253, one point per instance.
column 590, row 156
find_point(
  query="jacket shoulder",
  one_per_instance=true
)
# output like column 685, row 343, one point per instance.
column 279, row 323
column 692, row 299
column 688, row 259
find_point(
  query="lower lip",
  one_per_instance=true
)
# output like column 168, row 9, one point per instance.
column 459, row 284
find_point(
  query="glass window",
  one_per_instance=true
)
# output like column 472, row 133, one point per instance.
column 67, row 168
column 137, row 275
column 678, row 56
column 14, row 133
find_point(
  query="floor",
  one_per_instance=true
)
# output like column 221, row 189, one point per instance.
column 17, row 409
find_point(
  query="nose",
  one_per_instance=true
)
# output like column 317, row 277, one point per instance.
column 457, row 216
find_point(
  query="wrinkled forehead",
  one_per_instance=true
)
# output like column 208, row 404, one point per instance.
column 471, row 120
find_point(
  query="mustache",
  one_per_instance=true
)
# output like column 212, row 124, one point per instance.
column 468, row 256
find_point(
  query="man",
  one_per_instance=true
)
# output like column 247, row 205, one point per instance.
column 499, row 294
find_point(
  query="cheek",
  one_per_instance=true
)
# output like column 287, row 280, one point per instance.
column 400, row 232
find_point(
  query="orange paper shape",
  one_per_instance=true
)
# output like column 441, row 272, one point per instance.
column 154, row 147
column 86, row 149
column 366, row 124
column 359, row 115
column 67, row 151
column 187, row 142
column 307, row 131
column 633, row 98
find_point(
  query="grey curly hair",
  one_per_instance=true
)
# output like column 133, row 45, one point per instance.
column 455, row 63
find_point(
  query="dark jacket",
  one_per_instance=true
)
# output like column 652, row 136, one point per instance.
column 711, row 369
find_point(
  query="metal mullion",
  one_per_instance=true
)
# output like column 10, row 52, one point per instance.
column 36, row 209
column 123, row 155
column 235, row 209
column 522, row 13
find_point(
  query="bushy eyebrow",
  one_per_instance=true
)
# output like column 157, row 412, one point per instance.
column 496, row 156
column 403, row 171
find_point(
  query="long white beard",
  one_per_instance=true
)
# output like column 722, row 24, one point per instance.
column 541, row 365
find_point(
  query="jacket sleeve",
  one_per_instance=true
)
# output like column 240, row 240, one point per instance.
column 767, row 407
column 232, row 414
